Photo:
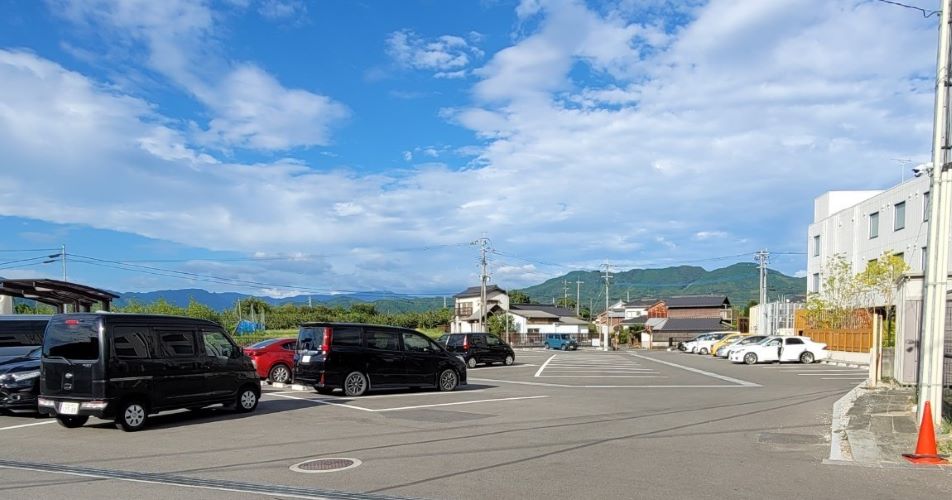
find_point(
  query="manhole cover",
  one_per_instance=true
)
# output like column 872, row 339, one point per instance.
column 318, row 465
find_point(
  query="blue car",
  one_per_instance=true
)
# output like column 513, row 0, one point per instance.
column 561, row 341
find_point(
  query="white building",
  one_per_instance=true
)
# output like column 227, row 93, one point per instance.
column 862, row 225
column 527, row 319
column 468, row 313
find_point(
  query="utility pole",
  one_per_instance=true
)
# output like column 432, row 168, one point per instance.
column 483, row 279
column 937, row 248
column 565, row 292
column 578, row 289
column 763, row 257
column 63, row 254
column 607, row 277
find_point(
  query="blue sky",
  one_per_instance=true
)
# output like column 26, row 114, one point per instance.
column 280, row 146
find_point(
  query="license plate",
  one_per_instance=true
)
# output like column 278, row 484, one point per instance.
column 305, row 359
column 69, row 408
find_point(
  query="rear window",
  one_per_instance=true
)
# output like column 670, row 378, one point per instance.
column 454, row 340
column 72, row 339
column 262, row 344
column 22, row 333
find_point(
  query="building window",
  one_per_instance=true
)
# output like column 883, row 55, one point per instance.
column 816, row 246
column 899, row 216
column 874, row 225
column 816, row 282
column 926, row 206
column 923, row 259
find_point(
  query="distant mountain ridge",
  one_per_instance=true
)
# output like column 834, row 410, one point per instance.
column 739, row 282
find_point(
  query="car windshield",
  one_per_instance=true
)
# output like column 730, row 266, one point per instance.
column 263, row 344
column 72, row 338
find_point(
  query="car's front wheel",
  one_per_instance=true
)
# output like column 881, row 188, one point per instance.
column 703, row 350
column 509, row 360
column 246, row 400
column 807, row 357
column 750, row 358
column 448, row 380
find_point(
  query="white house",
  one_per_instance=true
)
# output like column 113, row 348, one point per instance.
column 468, row 313
column 862, row 225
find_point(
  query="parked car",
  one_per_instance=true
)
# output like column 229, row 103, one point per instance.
column 129, row 366
column 704, row 345
column 727, row 339
column 357, row 358
column 725, row 350
column 21, row 336
column 691, row 346
column 477, row 347
column 561, row 341
column 781, row 349
column 273, row 358
column 20, row 382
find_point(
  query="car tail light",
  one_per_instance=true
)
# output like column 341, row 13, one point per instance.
column 328, row 338
column 466, row 342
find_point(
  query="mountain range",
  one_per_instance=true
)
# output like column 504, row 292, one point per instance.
column 739, row 282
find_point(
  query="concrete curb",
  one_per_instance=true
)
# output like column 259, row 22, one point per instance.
column 844, row 363
column 293, row 387
column 891, row 465
column 840, row 450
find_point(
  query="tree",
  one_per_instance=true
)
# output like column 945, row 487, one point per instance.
column 568, row 303
column 880, row 279
column 842, row 291
column 518, row 297
column 500, row 324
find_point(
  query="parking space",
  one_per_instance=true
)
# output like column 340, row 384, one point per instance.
column 515, row 430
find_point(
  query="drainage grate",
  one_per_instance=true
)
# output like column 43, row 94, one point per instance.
column 318, row 465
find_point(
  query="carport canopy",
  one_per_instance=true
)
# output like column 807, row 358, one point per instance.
column 58, row 293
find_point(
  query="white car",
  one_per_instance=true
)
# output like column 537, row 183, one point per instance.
column 692, row 346
column 703, row 345
column 738, row 343
column 777, row 348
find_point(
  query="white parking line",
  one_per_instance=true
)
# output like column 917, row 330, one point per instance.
column 827, row 375
column 602, row 376
column 844, row 378
column 401, row 395
column 545, row 364
column 549, row 384
column 322, row 402
column 27, row 425
column 695, row 370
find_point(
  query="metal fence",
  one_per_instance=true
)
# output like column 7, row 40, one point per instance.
column 537, row 339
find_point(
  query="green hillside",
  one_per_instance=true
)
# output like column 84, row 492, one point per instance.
column 739, row 282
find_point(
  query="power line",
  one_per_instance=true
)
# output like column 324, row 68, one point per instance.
column 925, row 13
column 26, row 250
column 302, row 256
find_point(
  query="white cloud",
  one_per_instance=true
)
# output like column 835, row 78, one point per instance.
column 277, row 10
column 446, row 56
column 407, row 156
column 707, row 235
column 800, row 274
column 250, row 108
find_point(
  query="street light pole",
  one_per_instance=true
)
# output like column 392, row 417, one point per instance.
column 937, row 249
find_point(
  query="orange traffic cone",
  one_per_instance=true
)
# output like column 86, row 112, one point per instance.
column 926, row 450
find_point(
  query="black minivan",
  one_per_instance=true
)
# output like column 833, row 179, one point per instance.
column 357, row 358
column 128, row 366
column 479, row 347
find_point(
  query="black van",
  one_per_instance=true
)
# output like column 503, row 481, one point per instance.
column 21, row 336
column 357, row 358
column 479, row 347
column 128, row 366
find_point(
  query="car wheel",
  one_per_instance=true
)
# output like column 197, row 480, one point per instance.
column 71, row 421
column 448, row 380
column 509, row 360
column 355, row 384
column 547, row 347
column 565, row 347
column 703, row 351
column 750, row 358
column 132, row 416
column 471, row 362
column 246, row 400
column 279, row 373
column 806, row 357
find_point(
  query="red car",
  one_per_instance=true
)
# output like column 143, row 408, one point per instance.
column 273, row 358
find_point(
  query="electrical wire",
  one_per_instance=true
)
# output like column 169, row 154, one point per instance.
column 925, row 13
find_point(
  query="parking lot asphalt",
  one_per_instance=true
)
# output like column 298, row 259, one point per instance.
column 557, row 424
